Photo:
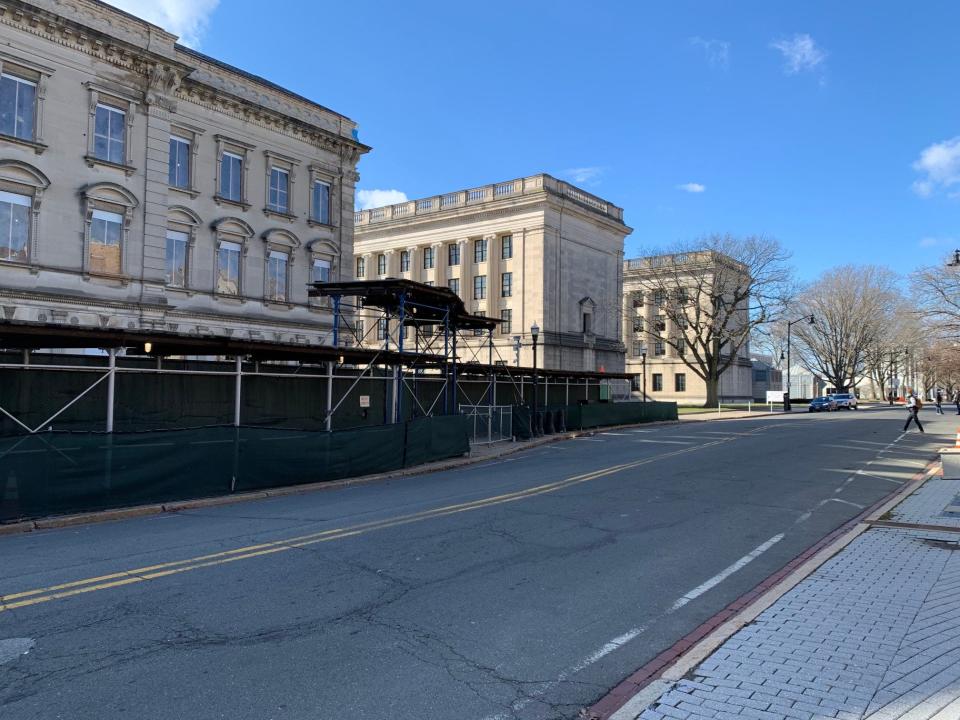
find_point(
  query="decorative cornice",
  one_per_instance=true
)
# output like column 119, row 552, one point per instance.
column 374, row 232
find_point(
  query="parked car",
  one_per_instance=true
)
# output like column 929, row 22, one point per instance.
column 819, row 404
column 847, row 401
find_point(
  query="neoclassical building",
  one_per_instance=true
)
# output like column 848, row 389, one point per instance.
column 666, row 309
column 146, row 186
column 534, row 250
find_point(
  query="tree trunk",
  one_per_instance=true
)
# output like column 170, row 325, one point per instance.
column 713, row 396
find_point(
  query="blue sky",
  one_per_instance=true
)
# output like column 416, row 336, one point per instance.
column 834, row 127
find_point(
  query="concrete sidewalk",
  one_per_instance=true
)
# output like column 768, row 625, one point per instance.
column 873, row 633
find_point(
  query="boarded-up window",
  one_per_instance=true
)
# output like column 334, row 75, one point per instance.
column 106, row 233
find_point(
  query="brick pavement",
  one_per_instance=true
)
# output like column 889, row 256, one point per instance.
column 873, row 634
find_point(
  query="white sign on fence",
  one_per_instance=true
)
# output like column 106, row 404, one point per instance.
column 364, row 401
column 774, row 396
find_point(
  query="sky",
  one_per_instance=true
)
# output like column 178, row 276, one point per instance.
column 833, row 127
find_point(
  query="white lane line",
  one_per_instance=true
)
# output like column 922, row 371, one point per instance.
column 621, row 640
column 617, row 434
column 616, row 643
column 838, row 500
column 666, row 442
column 556, row 447
column 721, row 576
column 590, row 439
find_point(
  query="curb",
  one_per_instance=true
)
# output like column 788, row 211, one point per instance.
column 285, row 490
column 632, row 696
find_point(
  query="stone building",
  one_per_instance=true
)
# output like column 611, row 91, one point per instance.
column 661, row 325
column 534, row 250
column 146, row 186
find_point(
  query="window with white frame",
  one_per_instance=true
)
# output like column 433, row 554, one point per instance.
column 658, row 382
column 506, row 247
column 381, row 264
column 179, row 171
column 506, row 284
column 404, row 261
column 361, row 267
column 320, row 202
column 228, row 268
column 231, row 176
column 479, row 332
column 14, row 226
column 320, row 271
column 680, row 382
column 279, row 197
column 382, row 328
column 106, row 235
column 18, row 100
column 659, row 349
column 428, row 258
column 177, row 245
column 454, row 285
column 110, row 134
column 453, row 254
column 276, row 285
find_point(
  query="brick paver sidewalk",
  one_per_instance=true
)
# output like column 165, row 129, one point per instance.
column 873, row 633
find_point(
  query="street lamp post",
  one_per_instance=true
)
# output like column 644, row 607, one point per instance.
column 534, row 333
column 790, row 324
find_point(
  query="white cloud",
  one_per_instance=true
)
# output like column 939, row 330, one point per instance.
column 584, row 175
column 187, row 19
column 717, row 51
column 929, row 242
column 692, row 187
column 800, row 54
column 367, row 199
column 939, row 165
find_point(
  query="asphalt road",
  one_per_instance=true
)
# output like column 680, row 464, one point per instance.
column 520, row 588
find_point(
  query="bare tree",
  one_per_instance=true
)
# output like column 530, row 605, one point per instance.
column 936, row 291
column 853, row 307
column 710, row 295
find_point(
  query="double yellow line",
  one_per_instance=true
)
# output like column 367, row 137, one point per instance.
column 153, row 572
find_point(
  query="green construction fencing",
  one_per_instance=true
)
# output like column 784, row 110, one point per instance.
column 558, row 418
column 65, row 472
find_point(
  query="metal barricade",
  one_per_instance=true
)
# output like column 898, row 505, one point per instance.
column 489, row 423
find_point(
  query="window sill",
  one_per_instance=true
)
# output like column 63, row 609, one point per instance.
column 122, row 279
column 278, row 304
column 231, row 299
column 270, row 212
column 185, row 190
column 312, row 222
column 37, row 147
column 176, row 289
column 93, row 161
column 221, row 200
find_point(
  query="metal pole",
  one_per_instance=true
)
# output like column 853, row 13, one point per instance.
column 644, row 356
column 398, row 369
column 238, row 375
column 328, row 423
column 534, row 432
column 492, row 400
column 786, row 399
column 111, row 386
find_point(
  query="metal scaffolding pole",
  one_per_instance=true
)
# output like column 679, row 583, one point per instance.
column 111, row 387
column 238, row 375
column 328, row 423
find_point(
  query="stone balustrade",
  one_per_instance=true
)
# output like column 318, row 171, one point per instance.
column 485, row 194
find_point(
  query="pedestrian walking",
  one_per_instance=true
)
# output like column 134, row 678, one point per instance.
column 956, row 400
column 939, row 402
column 913, row 407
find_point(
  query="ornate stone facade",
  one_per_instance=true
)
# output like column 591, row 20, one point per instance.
column 152, row 187
column 530, row 250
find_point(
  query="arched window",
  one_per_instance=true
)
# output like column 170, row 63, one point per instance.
column 21, row 191
column 108, row 212
column 182, row 224
column 279, row 251
column 231, row 243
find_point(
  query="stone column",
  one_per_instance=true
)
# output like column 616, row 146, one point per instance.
column 466, row 276
column 438, row 272
column 493, row 276
column 392, row 263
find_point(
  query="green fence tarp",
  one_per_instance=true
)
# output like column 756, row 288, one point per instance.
column 56, row 473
